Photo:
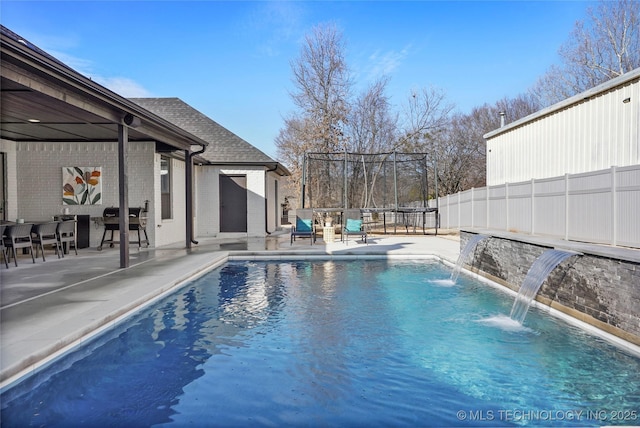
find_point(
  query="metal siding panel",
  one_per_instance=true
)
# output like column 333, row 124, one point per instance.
column 591, row 135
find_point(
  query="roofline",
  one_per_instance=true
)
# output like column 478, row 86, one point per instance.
column 576, row 99
column 31, row 58
column 276, row 167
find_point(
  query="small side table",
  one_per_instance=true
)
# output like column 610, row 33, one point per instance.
column 328, row 234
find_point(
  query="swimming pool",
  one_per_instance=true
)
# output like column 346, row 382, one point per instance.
column 337, row 343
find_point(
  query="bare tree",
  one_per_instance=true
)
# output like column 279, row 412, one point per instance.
column 426, row 114
column 372, row 126
column 605, row 47
column 321, row 78
column 292, row 144
column 460, row 154
column 460, row 151
column 513, row 108
column 322, row 89
column 372, row 129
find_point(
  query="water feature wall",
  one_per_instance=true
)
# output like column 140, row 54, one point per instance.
column 464, row 255
column 601, row 287
column 538, row 273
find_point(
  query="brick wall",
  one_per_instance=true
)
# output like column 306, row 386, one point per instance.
column 39, row 178
column 11, row 179
column 600, row 289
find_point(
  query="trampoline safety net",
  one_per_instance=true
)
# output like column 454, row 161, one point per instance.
column 391, row 189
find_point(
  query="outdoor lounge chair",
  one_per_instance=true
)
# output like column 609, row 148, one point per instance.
column 352, row 225
column 19, row 236
column 304, row 226
column 46, row 233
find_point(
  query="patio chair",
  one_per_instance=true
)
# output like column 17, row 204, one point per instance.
column 304, row 226
column 66, row 232
column 45, row 234
column 2, row 247
column 353, row 226
column 19, row 236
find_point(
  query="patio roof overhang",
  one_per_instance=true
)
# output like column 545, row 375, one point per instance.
column 44, row 100
column 68, row 106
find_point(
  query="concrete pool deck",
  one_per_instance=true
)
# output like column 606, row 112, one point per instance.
column 50, row 307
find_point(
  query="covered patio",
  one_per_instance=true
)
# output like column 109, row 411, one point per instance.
column 45, row 101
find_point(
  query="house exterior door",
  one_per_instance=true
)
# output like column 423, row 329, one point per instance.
column 233, row 203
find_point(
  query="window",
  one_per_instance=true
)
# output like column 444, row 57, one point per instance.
column 165, row 187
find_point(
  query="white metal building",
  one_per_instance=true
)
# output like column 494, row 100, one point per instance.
column 591, row 131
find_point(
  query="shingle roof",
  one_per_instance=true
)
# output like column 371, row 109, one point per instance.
column 224, row 146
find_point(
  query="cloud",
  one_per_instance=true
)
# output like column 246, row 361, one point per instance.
column 124, row 86
column 276, row 23
column 82, row 66
column 385, row 63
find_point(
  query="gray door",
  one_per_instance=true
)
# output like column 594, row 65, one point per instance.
column 233, row 203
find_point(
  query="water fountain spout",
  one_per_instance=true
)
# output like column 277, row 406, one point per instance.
column 538, row 272
column 468, row 248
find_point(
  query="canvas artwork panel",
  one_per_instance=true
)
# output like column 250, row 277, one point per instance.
column 81, row 185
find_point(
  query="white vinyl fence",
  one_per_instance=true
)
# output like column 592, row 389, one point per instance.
column 600, row 207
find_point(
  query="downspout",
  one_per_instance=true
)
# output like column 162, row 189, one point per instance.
column 266, row 211
column 189, row 193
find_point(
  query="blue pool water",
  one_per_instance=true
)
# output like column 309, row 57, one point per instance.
column 352, row 343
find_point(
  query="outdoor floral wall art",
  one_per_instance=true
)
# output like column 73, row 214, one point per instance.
column 81, row 185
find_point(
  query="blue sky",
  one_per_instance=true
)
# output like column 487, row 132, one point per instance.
column 231, row 60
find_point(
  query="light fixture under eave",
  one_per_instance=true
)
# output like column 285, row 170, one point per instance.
column 33, row 120
column 627, row 100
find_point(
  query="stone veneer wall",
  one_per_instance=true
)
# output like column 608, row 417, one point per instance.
column 599, row 290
